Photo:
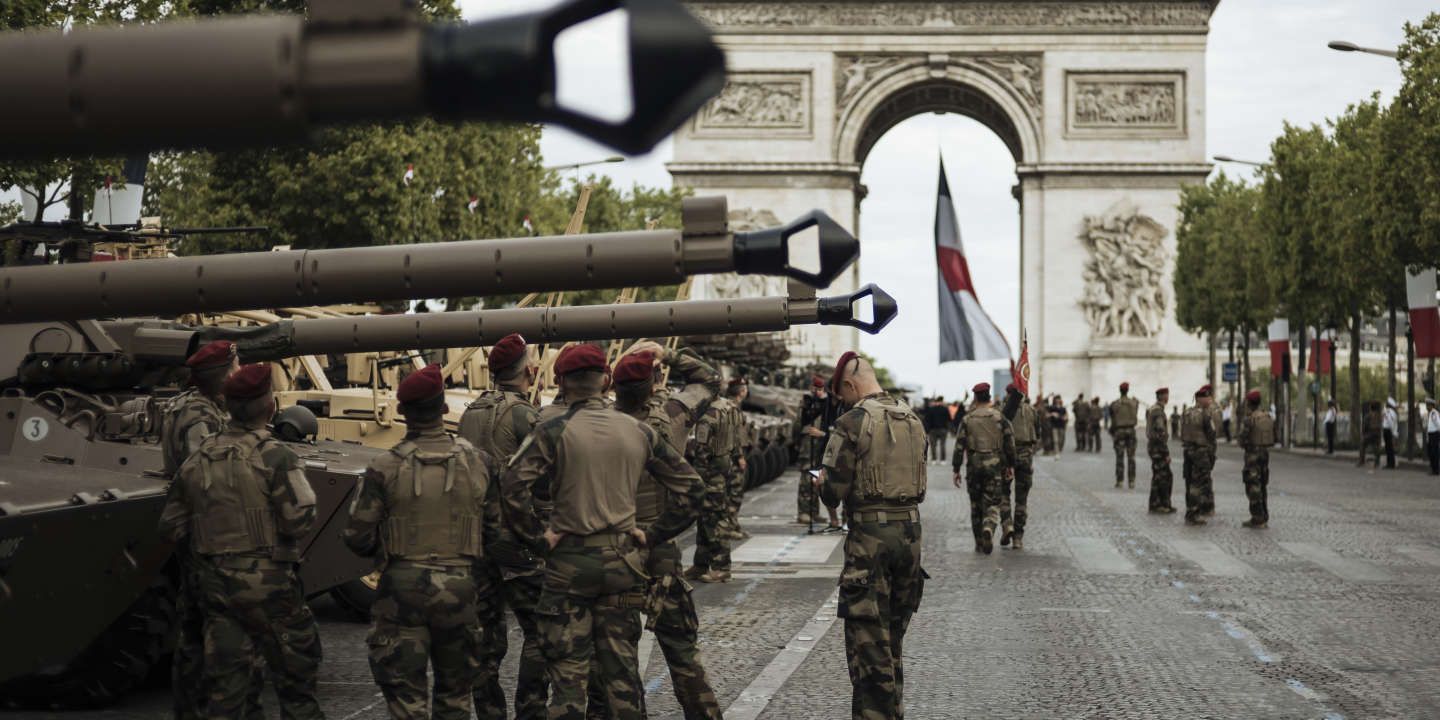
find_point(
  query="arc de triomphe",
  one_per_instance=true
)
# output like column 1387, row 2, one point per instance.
column 1102, row 105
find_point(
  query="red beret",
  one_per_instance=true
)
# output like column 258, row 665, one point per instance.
column 981, row 388
column 249, row 382
column 1162, row 391
column 1010, row 387
column 1204, row 391
column 635, row 367
column 421, row 385
column 580, row 357
column 216, row 354
column 840, row 369
column 506, row 352
column 1125, row 386
column 1253, row 395
column 817, row 381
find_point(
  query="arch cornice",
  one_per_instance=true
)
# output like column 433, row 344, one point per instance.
column 1022, row 113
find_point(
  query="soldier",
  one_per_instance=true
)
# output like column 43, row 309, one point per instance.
column 1025, row 421
column 592, row 458
column 1157, row 446
column 1371, row 433
column 426, row 508
column 735, row 393
column 875, row 465
column 937, row 423
column 1047, row 441
column 496, row 423
column 1197, row 432
column 1257, row 434
column 713, row 455
column 669, row 607
column 243, row 503
column 1123, row 415
column 814, row 432
column 1097, row 414
column 1057, row 422
column 986, row 447
column 1080, row 413
column 188, row 419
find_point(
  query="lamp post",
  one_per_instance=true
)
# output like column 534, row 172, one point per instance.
column 1228, row 159
column 576, row 166
column 1344, row 46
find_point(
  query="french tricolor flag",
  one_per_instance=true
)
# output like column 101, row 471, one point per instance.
column 1278, row 335
column 966, row 332
column 1424, row 317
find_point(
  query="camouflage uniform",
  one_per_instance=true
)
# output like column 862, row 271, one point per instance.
column 1157, row 446
column 1257, row 434
column 986, row 447
column 735, row 481
column 592, row 458
column 1123, row 414
column 1097, row 415
column 424, row 508
column 713, row 455
column 1028, row 428
column 1080, row 411
column 875, row 465
column 244, row 502
column 188, row 419
column 496, row 423
column 1197, row 432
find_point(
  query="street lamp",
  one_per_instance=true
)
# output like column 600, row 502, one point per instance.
column 576, row 166
column 1228, row 159
column 1344, row 46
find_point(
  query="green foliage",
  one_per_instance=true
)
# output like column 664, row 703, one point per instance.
column 1218, row 284
column 1374, row 385
column 1413, row 138
column 9, row 213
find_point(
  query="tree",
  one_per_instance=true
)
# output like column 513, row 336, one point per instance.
column 1414, row 135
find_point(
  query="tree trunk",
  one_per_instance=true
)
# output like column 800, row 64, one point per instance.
column 1357, row 413
column 1210, row 371
column 1412, row 415
column 1232, row 361
column 1245, row 363
column 1300, row 367
column 1390, row 357
column 76, row 201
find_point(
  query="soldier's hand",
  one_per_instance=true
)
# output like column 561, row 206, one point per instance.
column 552, row 538
column 817, row 477
column 958, row 482
column 639, row 536
column 651, row 347
column 744, row 465
column 814, row 432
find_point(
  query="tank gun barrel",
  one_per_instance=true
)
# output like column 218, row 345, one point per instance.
column 260, row 79
column 551, row 325
column 257, row 280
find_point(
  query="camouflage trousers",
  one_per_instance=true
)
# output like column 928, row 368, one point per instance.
column 486, row 695
column 589, row 618
column 1257, row 483
column 985, row 481
column 880, row 589
column 517, row 575
column 1095, row 445
column 1024, row 479
column 1161, row 478
column 807, row 500
column 710, row 550
column 1123, row 440
column 734, row 494
column 254, row 605
column 1199, row 494
column 532, row 688
column 187, row 664
column 426, row 616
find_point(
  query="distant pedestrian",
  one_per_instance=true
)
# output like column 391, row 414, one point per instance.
column 1390, row 427
column 937, row 424
column 1330, row 429
column 1225, row 416
column 1370, row 435
column 1175, row 421
column 1432, row 435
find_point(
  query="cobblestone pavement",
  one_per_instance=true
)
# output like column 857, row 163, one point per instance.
column 1109, row 612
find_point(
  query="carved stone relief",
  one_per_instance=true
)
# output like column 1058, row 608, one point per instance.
column 1126, row 103
column 967, row 16
column 759, row 101
column 855, row 72
column 1124, row 295
column 1019, row 71
column 731, row 285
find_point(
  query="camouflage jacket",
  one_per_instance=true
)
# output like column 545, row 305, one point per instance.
column 1157, row 427
column 507, row 431
column 701, row 385
column 1005, row 455
column 188, row 419
column 842, row 455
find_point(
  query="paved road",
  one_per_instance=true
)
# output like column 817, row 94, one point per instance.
column 1109, row 612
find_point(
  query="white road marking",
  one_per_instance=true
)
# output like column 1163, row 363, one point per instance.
column 801, row 549
column 1346, row 568
column 367, row 708
column 1211, row 558
column 756, row 696
column 1099, row 556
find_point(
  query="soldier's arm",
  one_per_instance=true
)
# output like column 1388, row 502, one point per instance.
column 490, row 505
column 522, row 422
column 957, row 459
column 175, row 518
column 367, row 510
column 1007, row 443
column 687, row 492
column 1245, row 432
column 702, row 381
column 702, row 450
column 533, row 462
column 291, row 496
column 1209, row 426
column 840, row 460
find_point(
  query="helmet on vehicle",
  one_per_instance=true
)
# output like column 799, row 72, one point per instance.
column 296, row 424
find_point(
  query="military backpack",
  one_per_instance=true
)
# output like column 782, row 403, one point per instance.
column 890, row 450
column 432, row 500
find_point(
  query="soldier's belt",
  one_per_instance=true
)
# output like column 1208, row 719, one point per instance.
column 246, row 562
column 884, row 516
column 600, row 539
column 628, row 601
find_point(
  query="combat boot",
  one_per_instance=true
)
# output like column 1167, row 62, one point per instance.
column 803, row 519
column 987, row 545
column 1019, row 541
column 1168, row 510
column 713, row 576
column 694, row 572
column 1194, row 521
column 1254, row 524
column 1008, row 535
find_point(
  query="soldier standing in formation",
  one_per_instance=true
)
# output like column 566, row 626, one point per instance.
column 1157, row 446
column 1047, row 440
column 427, row 509
column 1029, row 428
column 188, row 419
column 713, row 454
column 875, row 466
column 496, row 423
column 669, row 606
column 242, row 502
column 986, row 448
column 815, row 432
column 592, row 457
column 1198, row 433
column 1080, row 413
column 735, row 393
column 1124, row 413
column 1097, row 414
column 1257, row 434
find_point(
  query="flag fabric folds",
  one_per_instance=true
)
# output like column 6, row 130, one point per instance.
column 1424, row 316
column 1020, row 370
column 966, row 332
column 1279, row 337
column 1321, row 350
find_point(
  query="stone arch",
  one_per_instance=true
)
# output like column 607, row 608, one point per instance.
column 957, row 88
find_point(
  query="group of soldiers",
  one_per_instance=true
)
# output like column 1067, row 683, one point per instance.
column 566, row 515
